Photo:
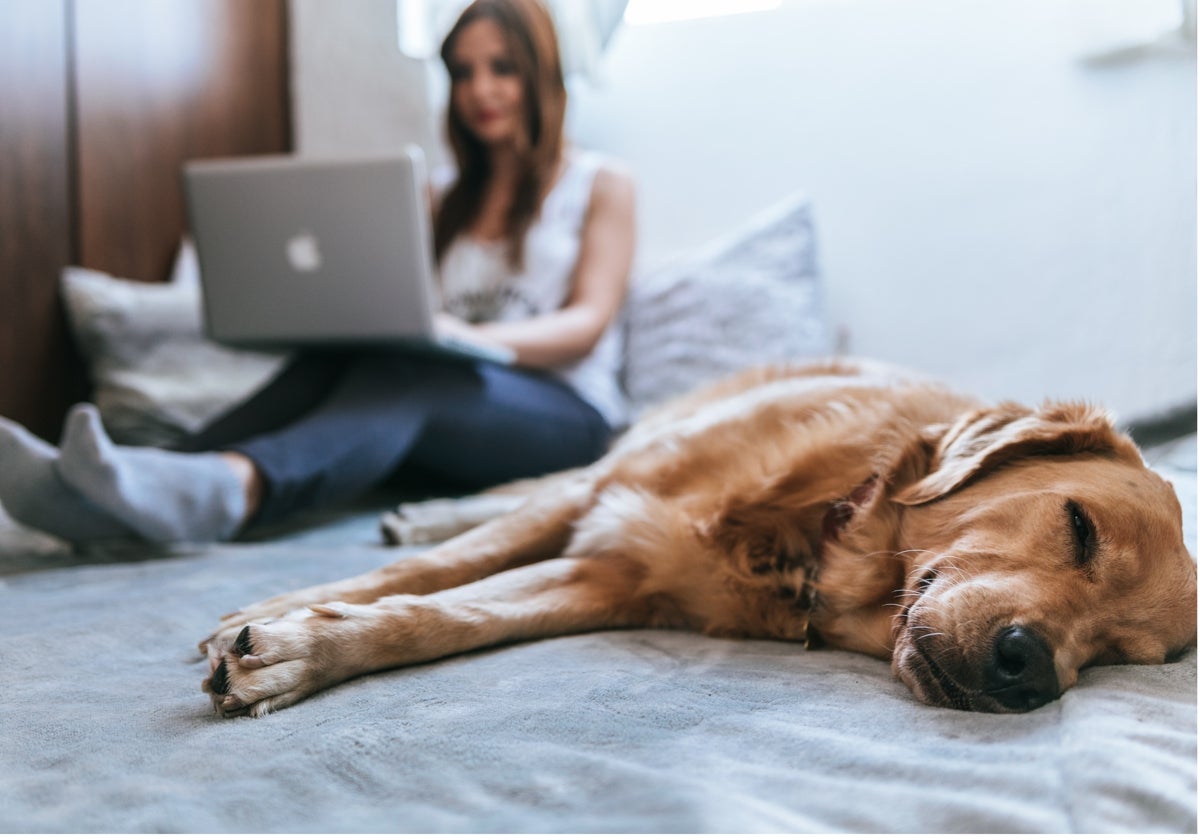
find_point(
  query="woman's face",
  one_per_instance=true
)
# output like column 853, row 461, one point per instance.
column 485, row 89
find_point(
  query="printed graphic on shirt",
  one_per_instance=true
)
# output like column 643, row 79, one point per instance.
column 499, row 303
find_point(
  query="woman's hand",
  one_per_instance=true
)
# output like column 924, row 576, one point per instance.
column 446, row 325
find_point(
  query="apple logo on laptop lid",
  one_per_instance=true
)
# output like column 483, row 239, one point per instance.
column 304, row 253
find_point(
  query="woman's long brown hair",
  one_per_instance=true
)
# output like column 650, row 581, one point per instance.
column 529, row 30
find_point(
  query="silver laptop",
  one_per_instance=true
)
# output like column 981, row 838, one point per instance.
column 297, row 252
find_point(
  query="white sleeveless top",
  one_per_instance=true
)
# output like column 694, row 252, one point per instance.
column 478, row 285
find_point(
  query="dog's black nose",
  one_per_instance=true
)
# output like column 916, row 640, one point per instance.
column 1021, row 673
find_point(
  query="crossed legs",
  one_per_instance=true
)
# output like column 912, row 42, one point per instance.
column 314, row 440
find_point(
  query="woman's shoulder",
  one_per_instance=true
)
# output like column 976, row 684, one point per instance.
column 599, row 162
column 611, row 177
column 613, row 184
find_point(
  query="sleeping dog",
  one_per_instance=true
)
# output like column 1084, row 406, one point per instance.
column 989, row 552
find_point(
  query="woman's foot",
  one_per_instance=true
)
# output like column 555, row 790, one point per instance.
column 34, row 494
column 164, row 496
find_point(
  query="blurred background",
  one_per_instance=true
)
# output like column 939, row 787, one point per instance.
column 1004, row 191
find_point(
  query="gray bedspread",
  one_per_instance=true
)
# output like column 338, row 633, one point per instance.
column 103, row 727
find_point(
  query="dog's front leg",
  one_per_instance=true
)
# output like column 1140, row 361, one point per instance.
column 537, row 531
column 273, row 665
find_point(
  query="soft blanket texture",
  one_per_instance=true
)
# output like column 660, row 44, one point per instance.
column 105, row 728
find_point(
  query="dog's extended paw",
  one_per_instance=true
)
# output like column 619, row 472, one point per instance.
column 264, row 612
column 265, row 667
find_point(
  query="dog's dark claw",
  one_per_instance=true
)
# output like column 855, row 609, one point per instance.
column 219, row 683
column 242, row 645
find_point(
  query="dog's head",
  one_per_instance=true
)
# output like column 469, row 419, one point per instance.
column 1040, row 544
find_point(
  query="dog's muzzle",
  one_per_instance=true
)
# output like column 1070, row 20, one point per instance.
column 1013, row 672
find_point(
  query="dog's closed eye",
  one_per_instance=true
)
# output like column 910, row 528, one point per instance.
column 1083, row 534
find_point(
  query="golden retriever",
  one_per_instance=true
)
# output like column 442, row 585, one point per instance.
column 990, row 552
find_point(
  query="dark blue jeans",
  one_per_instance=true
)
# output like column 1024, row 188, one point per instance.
column 333, row 425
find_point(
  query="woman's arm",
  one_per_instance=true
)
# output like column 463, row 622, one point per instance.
column 601, row 278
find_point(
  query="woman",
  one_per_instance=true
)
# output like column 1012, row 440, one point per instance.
column 534, row 244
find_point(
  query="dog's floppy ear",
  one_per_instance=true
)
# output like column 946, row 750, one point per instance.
column 984, row 439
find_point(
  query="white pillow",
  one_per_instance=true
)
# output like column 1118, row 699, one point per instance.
column 156, row 377
column 749, row 299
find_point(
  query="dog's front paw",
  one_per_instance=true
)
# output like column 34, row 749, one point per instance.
column 264, row 667
column 264, row 612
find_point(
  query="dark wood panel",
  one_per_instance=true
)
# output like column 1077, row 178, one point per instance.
column 39, row 373
column 159, row 82
column 100, row 102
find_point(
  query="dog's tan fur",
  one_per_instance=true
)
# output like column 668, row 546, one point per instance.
column 839, row 502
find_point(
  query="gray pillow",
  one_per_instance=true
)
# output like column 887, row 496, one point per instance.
column 749, row 299
column 156, row 377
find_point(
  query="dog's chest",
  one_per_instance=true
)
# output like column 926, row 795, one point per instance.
column 761, row 589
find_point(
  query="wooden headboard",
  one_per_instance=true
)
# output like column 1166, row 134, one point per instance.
column 101, row 101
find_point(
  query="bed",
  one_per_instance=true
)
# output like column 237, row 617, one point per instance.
column 106, row 729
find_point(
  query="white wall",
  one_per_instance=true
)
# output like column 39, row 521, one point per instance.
column 352, row 90
column 991, row 208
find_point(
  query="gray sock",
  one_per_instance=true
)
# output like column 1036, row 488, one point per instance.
column 165, row 496
column 33, row 493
